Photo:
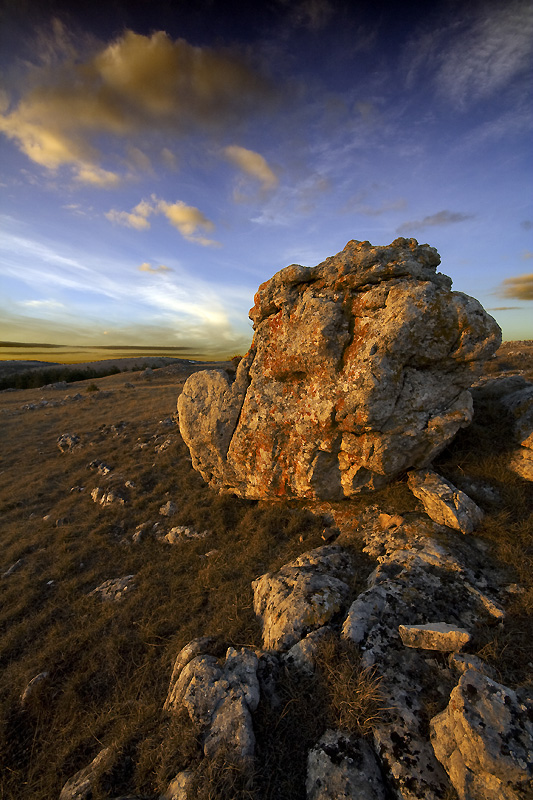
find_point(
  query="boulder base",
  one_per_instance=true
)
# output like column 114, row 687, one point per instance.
column 358, row 371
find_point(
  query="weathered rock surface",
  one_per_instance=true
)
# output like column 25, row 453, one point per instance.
column 302, row 596
column 515, row 395
column 359, row 370
column 443, row 502
column 425, row 572
column 484, row 739
column 219, row 698
column 434, row 636
column 342, row 767
column 80, row 786
column 114, row 589
column 67, row 441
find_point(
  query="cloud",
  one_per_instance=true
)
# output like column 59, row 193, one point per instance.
column 526, row 255
column 137, row 218
column 517, row 288
column 504, row 308
column 45, row 305
column 526, row 224
column 440, row 218
column 169, row 159
column 146, row 267
column 492, row 49
column 187, row 219
column 253, row 164
column 130, row 87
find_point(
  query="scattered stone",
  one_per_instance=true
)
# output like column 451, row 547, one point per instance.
column 100, row 467
column 168, row 422
column 181, row 533
column 164, row 446
column 443, row 502
column 77, row 489
column 359, row 370
column 484, row 739
column 302, row 655
column 57, row 385
column 302, row 596
column 61, row 522
column 13, row 568
column 183, row 787
column 68, row 441
column 129, row 385
column 434, row 636
column 80, row 786
column 169, row 509
column 107, row 497
column 341, row 767
column 114, row 589
column 31, row 688
column 141, row 532
column 219, row 699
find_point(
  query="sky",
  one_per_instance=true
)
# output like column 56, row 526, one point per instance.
column 159, row 160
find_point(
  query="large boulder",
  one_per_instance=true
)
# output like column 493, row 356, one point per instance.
column 359, row 370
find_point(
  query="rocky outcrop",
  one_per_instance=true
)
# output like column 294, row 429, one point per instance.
column 359, row 370
column 218, row 698
column 303, row 596
column 484, row 739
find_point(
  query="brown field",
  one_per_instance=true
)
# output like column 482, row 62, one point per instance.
column 109, row 664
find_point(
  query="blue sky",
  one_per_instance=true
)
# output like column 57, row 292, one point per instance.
column 159, row 161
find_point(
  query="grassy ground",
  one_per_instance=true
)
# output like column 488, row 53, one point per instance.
column 109, row 664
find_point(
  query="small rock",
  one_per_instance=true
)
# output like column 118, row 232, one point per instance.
column 443, row 502
column 182, row 787
column 13, row 568
column 460, row 662
column 67, row 441
column 114, row 589
column 31, row 687
column 181, row 533
column 434, row 636
column 169, row 509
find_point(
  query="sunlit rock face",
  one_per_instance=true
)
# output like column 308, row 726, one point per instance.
column 359, row 370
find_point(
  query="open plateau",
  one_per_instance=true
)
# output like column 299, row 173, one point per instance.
column 302, row 574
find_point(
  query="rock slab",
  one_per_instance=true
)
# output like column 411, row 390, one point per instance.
column 484, row 739
column 359, row 370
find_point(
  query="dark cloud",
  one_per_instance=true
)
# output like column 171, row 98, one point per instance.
column 440, row 218
column 526, row 224
column 517, row 288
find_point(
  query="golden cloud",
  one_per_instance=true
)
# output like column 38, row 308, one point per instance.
column 188, row 220
column 253, row 164
column 518, row 288
column 146, row 267
column 133, row 85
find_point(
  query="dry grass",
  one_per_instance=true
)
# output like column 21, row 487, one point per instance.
column 109, row 664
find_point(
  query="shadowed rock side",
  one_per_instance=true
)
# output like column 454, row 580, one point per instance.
column 359, row 370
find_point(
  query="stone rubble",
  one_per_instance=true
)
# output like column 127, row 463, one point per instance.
column 359, row 370
column 114, row 589
column 67, row 441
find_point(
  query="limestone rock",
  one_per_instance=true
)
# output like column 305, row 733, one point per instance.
column 114, row 589
column 79, row 787
column 443, row 502
column 341, row 767
column 34, row 685
column 434, row 636
column 67, row 441
column 359, row 370
column 302, row 596
column 219, row 698
column 484, row 739
column 182, row 787
column 168, row 509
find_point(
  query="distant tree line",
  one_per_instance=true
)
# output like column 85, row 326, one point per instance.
column 33, row 378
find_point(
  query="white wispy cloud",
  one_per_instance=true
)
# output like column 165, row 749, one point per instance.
column 147, row 267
